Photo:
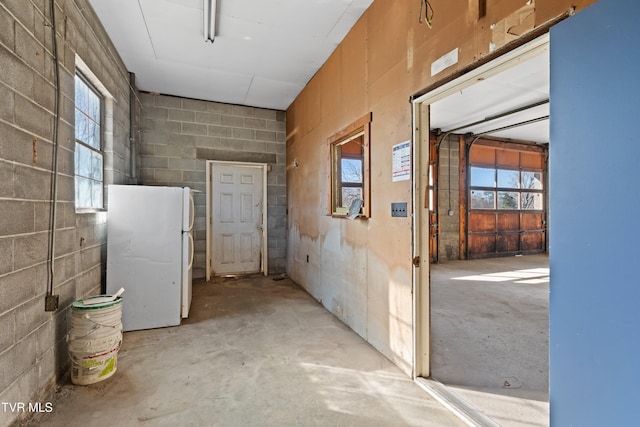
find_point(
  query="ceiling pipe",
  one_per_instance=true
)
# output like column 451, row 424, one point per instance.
column 501, row 115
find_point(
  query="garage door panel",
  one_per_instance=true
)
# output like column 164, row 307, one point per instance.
column 508, row 242
column 531, row 160
column 482, row 221
column 508, row 158
column 532, row 242
column 481, row 155
column 532, row 221
column 508, row 221
column 482, row 244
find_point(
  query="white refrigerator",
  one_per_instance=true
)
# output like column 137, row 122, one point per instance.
column 150, row 253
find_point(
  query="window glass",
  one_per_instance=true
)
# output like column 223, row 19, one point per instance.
column 532, row 201
column 481, row 199
column 508, row 178
column 532, row 180
column 352, row 170
column 508, row 199
column 483, row 177
column 88, row 154
column 349, row 194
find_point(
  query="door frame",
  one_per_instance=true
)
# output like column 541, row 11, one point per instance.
column 420, row 113
column 264, row 267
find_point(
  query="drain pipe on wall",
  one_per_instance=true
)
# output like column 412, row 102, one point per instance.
column 51, row 301
column 132, row 130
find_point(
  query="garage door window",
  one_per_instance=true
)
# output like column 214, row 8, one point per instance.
column 506, row 189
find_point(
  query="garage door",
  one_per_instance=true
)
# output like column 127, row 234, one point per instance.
column 507, row 200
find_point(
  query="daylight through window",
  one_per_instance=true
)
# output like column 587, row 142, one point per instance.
column 88, row 151
column 350, row 168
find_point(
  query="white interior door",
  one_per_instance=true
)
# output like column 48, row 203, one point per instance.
column 237, row 218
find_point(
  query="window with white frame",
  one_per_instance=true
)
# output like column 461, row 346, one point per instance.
column 89, row 181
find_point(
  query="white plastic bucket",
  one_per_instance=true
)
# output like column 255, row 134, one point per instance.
column 94, row 340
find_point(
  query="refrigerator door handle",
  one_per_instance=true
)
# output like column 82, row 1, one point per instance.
column 193, row 212
column 191, row 244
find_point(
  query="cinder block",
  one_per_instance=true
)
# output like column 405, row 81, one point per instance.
column 7, row 104
column 208, row 118
column 169, row 176
column 181, row 115
column 216, row 107
column 6, row 28
column 149, row 162
column 30, row 316
column 160, row 113
column 6, row 179
column 168, row 101
column 193, row 176
column 182, row 164
column 194, row 105
column 244, row 111
column 23, row 11
column 28, row 48
column 16, row 288
column 8, row 330
column 46, row 338
column 32, row 117
column 276, row 126
column 183, row 140
column 194, row 128
column 233, row 121
column 253, row 123
column 261, row 113
column 33, row 184
column 263, row 135
column 30, row 249
column 168, row 150
column 220, row 131
column 21, row 219
column 6, row 256
column 242, row 133
column 15, row 73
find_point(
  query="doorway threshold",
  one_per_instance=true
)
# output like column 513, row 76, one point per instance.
column 468, row 413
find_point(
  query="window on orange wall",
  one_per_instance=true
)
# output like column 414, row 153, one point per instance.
column 349, row 154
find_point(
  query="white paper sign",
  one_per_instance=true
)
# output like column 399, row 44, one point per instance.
column 401, row 163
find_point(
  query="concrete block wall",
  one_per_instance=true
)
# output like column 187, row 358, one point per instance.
column 449, row 198
column 179, row 135
column 33, row 352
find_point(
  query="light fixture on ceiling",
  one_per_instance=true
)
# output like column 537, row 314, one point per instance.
column 209, row 20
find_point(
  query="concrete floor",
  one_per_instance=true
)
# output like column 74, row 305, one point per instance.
column 254, row 352
column 490, row 335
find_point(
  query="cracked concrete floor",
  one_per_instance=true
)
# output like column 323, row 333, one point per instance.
column 254, row 352
column 490, row 335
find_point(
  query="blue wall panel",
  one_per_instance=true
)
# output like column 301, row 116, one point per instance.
column 594, row 172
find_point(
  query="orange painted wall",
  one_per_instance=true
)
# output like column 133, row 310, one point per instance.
column 361, row 270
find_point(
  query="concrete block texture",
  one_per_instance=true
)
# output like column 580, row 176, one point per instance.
column 179, row 135
column 32, row 348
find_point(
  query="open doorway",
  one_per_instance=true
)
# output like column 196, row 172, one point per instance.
column 482, row 313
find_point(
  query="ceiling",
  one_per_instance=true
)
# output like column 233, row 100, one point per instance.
column 522, row 85
column 265, row 51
